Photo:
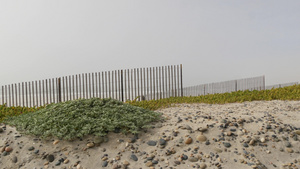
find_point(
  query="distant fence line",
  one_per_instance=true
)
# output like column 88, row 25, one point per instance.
column 143, row 83
column 254, row 83
column 281, row 85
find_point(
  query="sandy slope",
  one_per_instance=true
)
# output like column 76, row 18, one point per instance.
column 262, row 134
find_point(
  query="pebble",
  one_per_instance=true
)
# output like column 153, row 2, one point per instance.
column 104, row 164
column 289, row 150
column 90, row 145
column 50, row 158
column 55, row 142
column 288, row 144
column 203, row 166
column 14, row 159
column 8, row 149
column 31, row 148
column 133, row 157
column 297, row 132
column 152, row 143
column 226, row 144
column 189, row 140
column 201, row 138
column 193, row 159
column 162, row 141
column 149, row 163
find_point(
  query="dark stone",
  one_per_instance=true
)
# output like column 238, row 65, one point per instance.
column 184, row 157
column 233, row 130
column 31, row 148
column 268, row 127
column 151, row 143
column 36, row 151
column 57, row 163
column 245, row 145
column 227, row 144
column 50, row 158
column 133, row 157
column 162, row 141
column 154, row 162
column 104, row 164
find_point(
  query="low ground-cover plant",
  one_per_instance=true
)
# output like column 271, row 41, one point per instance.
column 78, row 118
column 15, row 111
column 286, row 93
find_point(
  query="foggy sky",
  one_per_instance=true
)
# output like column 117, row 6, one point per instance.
column 213, row 40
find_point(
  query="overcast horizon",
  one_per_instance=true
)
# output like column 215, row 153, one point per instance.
column 214, row 40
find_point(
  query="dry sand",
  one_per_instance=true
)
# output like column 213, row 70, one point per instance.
column 259, row 134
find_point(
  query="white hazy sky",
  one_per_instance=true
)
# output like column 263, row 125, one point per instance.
column 215, row 40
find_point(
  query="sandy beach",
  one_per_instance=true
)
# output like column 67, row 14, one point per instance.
column 258, row 134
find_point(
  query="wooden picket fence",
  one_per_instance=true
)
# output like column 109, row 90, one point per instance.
column 140, row 83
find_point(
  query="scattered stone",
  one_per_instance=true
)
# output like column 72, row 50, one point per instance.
column 8, row 149
column 152, row 143
column 297, row 132
column 189, row 140
column 162, row 141
column 55, row 142
column 50, row 158
column 226, row 144
column 201, row 138
column 149, row 163
column 90, row 145
column 14, row 159
column 288, row 144
column 104, row 164
column 193, row 159
column 31, row 148
column 289, row 150
column 1, row 130
column 203, row 166
column 133, row 157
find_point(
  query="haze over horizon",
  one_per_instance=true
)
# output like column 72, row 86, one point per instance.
column 214, row 40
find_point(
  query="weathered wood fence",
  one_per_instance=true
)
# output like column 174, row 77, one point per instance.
column 253, row 83
column 129, row 84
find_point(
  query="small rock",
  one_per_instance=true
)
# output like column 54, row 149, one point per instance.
column 8, row 149
column 55, row 142
column 162, row 141
column 126, row 163
column 177, row 162
column 50, row 158
column 90, row 145
column 66, row 161
column 227, row 144
column 1, row 129
column 201, row 138
column 218, row 150
column 133, row 157
column 289, row 150
column 151, row 143
column 188, row 140
column 203, row 166
column 262, row 140
column 14, row 159
column 288, row 144
column 193, row 159
column 104, row 163
column 297, row 132
column 31, row 148
column 149, row 164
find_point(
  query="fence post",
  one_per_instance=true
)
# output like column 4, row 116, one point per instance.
column 59, row 90
column 122, row 92
column 236, row 85
column 181, row 80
